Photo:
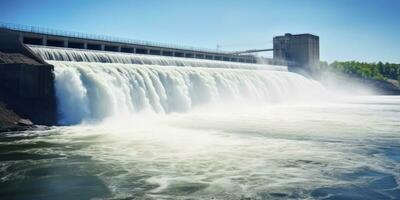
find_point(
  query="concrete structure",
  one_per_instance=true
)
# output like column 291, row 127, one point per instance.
column 56, row 38
column 27, row 82
column 300, row 52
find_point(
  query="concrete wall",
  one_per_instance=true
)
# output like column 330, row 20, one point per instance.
column 29, row 91
column 103, row 45
column 300, row 52
column 27, row 84
column 11, row 43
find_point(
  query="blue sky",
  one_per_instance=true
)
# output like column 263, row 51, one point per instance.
column 363, row 30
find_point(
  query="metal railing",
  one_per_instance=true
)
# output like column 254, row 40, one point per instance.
column 55, row 32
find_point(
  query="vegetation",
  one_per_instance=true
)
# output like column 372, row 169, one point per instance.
column 371, row 71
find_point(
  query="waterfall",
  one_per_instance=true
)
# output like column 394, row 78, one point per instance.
column 93, row 85
column 80, row 55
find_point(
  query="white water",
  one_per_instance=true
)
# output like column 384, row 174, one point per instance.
column 65, row 54
column 325, row 151
column 90, row 90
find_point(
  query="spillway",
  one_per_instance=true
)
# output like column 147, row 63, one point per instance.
column 94, row 85
column 80, row 55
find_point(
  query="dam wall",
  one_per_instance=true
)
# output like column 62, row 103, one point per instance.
column 27, row 81
column 10, row 43
column 28, row 90
column 57, row 38
column 31, row 59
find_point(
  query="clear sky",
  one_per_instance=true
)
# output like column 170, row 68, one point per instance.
column 363, row 30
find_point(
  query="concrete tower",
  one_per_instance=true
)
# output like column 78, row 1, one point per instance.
column 300, row 52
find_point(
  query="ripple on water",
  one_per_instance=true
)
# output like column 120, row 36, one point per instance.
column 55, row 187
column 365, row 184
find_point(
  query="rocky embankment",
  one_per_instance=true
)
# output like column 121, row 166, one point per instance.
column 386, row 87
column 10, row 121
column 358, row 86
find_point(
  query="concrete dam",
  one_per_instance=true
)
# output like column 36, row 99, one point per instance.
column 66, row 78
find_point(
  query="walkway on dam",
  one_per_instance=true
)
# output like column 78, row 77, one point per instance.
column 67, row 39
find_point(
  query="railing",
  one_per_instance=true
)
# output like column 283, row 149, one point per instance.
column 55, row 32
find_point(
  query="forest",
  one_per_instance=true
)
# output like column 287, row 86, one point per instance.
column 371, row 71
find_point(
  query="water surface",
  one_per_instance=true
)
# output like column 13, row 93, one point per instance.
column 346, row 150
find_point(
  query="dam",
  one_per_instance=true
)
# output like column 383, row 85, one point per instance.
column 254, row 115
column 70, row 78
column 56, row 38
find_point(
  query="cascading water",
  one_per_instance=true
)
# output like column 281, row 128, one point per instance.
column 64, row 54
column 92, row 85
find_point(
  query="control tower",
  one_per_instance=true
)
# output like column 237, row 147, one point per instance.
column 299, row 52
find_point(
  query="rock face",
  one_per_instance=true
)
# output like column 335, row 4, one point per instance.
column 7, row 117
column 9, row 121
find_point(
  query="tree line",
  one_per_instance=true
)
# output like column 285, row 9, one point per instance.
column 371, row 71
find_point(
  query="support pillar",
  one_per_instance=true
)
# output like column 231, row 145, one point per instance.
column 44, row 40
column 21, row 37
column 103, row 47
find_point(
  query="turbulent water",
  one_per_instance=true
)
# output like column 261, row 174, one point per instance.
column 94, row 85
column 175, row 131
